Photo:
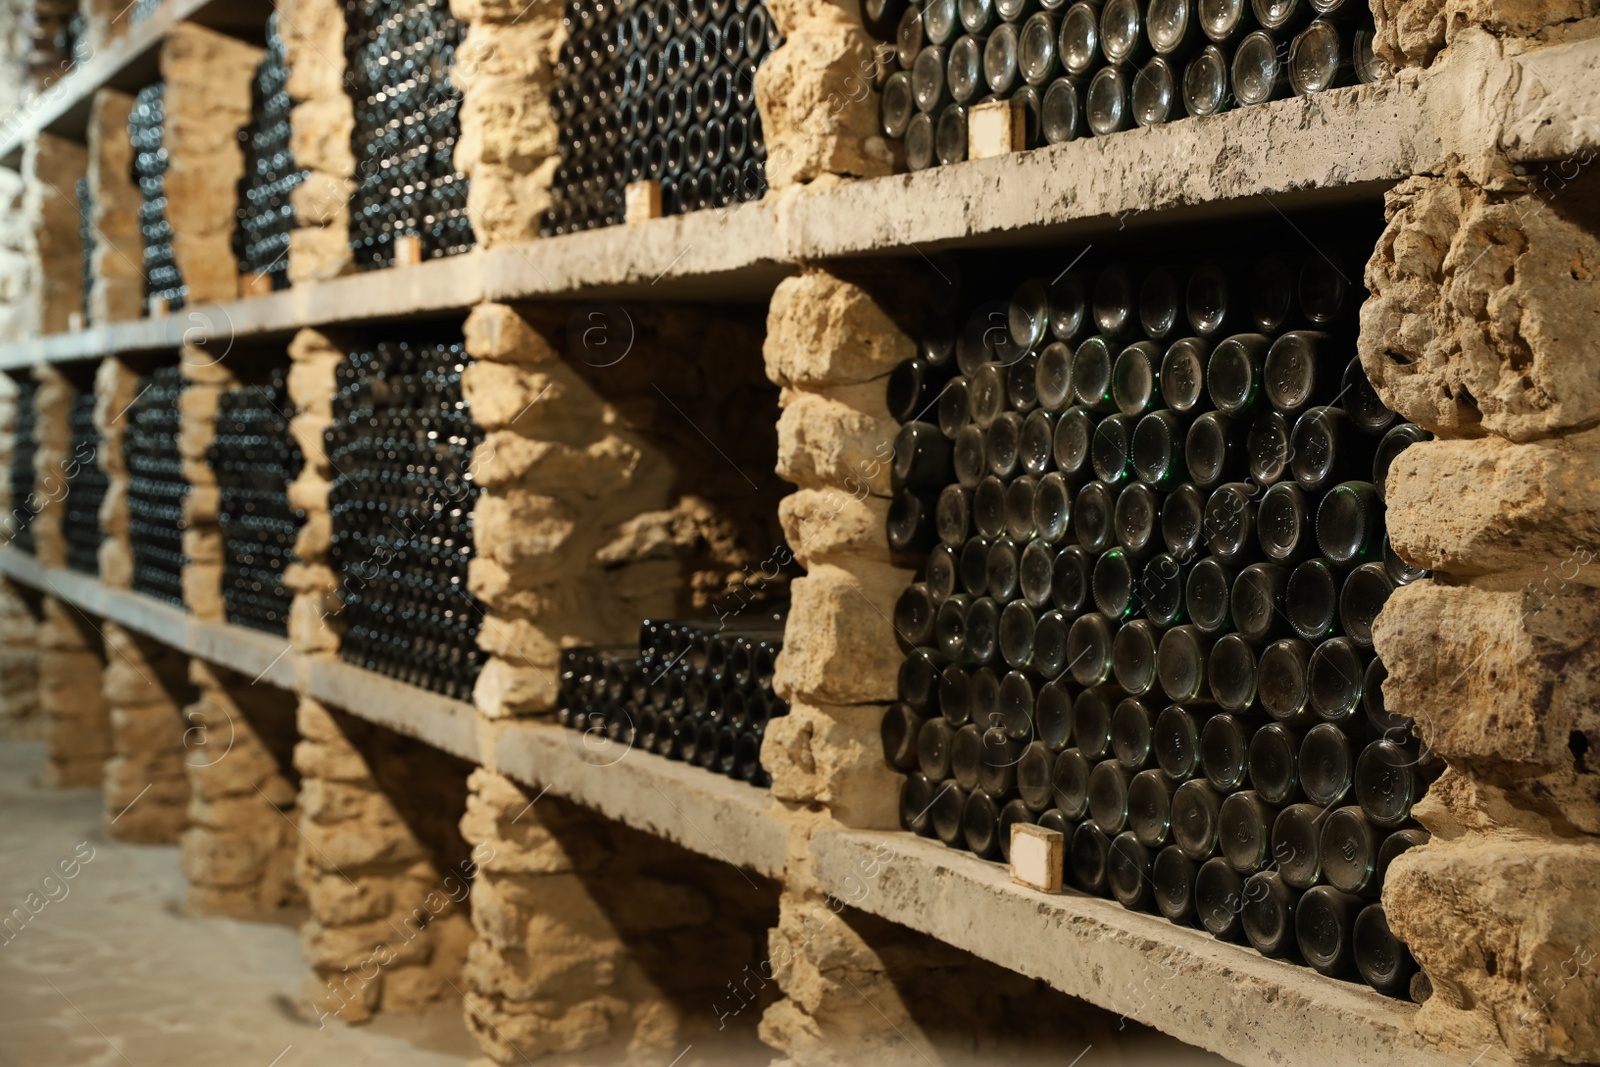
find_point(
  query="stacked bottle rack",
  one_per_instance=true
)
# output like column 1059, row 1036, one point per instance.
column 1151, row 500
column 402, row 442
column 407, row 123
column 86, row 488
column 1098, row 68
column 86, row 232
column 25, row 446
column 261, row 241
column 662, row 92
column 163, row 281
column 254, row 458
column 690, row 690
column 156, row 486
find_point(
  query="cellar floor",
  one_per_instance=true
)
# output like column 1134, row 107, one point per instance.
column 116, row 973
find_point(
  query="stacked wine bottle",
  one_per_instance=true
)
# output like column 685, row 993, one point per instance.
column 146, row 122
column 86, row 234
column 24, row 448
column 407, row 123
column 402, row 442
column 663, row 92
column 265, row 215
column 1152, row 506
column 86, row 487
column 254, row 458
column 156, row 486
column 692, row 690
column 1098, row 68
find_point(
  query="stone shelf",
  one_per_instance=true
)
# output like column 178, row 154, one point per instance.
column 1227, row 998
column 703, row 812
column 1339, row 146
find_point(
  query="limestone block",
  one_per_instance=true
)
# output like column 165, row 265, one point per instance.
column 1502, row 682
column 203, row 544
column 833, row 756
column 332, row 948
column 830, row 525
column 817, row 106
column 551, row 402
column 202, row 590
column 504, row 334
column 323, row 198
column 1500, row 923
column 313, row 39
column 1481, row 307
column 825, row 331
column 317, row 254
column 518, row 642
column 309, row 492
column 117, row 291
column 599, row 470
column 826, row 444
column 839, row 645
column 504, row 690
column 1412, row 32
column 208, row 78
column 525, row 533
column 340, row 901
column 333, row 759
column 357, row 843
column 157, row 728
column 326, row 800
column 217, row 859
column 316, row 723
column 116, row 564
column 54, row 165
column 1481, row 505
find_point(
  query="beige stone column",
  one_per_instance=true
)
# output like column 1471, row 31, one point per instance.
column 20, row 717
column 206, row 378
column 145, row 686
column 116, row 293
column 1479, row 329
column 240, row 845
column 52, row 406
column 320, row 127
column 19, row 311
column 314, row 625
column 818, row 95
column 208, row 78
column 53, row 166
column 382, row 866
column 505, row 69
column 70, row 697
column 116, row 386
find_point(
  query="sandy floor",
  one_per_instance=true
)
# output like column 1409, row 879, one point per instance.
column 115, row 973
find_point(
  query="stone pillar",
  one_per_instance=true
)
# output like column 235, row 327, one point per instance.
column 52, row 405
column 70, row 697
column 18, row 309
column 116, row 292
column 314, row 614
column 116, row 386
column 145, row 686
column 107, row 20
column 20, row 718
column 240, row 846
column 590, row 934
column 818, row 95
column 320, row 127
column 205, row 380
column 1478, row 329
column 53, row 166
column 208, row 78
column 505, row 69
column 382, row 866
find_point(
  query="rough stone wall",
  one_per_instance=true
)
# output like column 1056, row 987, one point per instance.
column 70, row 697
column 107, row 20
column 20, row 717
column 240, row 847
column 320, row 128
column 1483, row 305
column 208, row 78
column 1414, row 32
column 145, row 685
column 52, row 404
column 505, row 69
column 314, row 614
column 592, row 935
column 206, row 378
column 382, row 865
column 818, row 95
column 116, row 292
column 116, row 386
column 52, row 166
column 602, row 503
column 18, row 311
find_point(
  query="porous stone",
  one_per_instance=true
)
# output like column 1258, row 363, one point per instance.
column 116, row 293
column 823, row 330
column 832, row 756
column 839, row 644
column 823, row 443
column 830, row 525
